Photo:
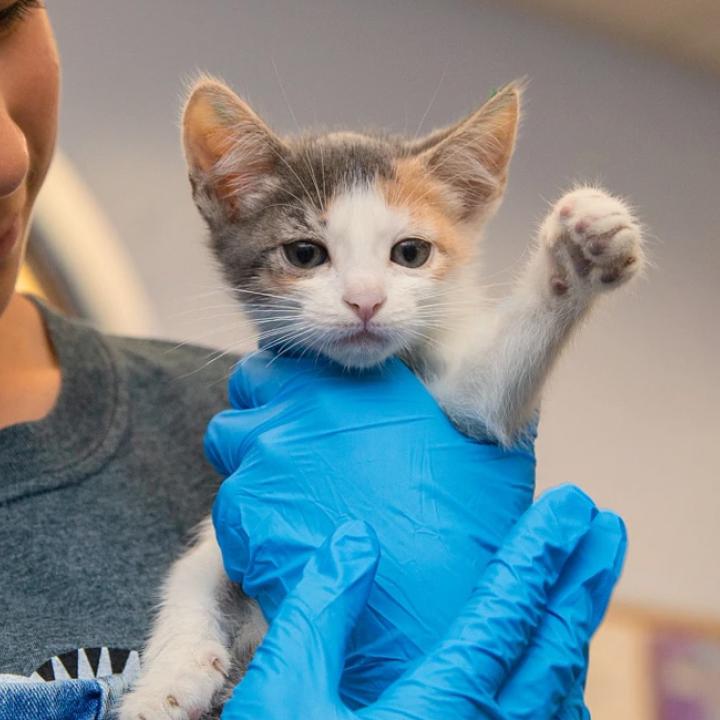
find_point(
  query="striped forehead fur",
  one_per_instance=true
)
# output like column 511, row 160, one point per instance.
column 312, row 173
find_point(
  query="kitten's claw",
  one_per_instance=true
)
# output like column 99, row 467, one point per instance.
column 218, row 665
column 593, row 242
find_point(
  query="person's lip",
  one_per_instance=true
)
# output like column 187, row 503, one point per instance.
column 9, row 237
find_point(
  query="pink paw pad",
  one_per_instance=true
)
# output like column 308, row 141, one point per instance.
column 598, row 246
column 581, row 226
column 559, row 286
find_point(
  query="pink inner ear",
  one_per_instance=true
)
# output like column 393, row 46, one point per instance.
column 232, row 184
column 473, row 156
column 200, row 154
column 217, row 153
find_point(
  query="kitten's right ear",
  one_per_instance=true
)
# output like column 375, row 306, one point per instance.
column 231, row 153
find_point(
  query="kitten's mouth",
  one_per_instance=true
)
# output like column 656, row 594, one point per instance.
column 358, row 346
column 366, row 336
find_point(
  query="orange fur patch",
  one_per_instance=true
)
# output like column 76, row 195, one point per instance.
column 415, row 190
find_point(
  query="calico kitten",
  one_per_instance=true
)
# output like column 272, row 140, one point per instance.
column 362, row 246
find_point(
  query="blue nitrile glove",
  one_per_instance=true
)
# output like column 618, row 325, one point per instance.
column 312, row 446
column 516, row 651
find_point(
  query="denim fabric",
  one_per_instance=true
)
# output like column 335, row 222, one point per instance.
column 25, row 699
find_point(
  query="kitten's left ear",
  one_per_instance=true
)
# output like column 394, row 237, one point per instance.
column 231, row 153
column 472, row 157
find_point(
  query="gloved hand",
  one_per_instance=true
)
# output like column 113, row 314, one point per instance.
column 312, row 446
column 516, row 651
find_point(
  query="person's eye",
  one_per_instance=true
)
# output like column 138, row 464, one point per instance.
column 305, row 254
column 16, row 12
column 411, row 252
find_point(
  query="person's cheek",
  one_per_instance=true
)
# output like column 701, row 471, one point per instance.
column 29, row 90
column 14, row 158
column 37, row 92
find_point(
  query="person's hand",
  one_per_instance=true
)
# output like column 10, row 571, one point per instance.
column 311, row 446
column 517, row 650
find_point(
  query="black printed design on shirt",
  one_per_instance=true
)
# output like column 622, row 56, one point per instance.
column 89, row 663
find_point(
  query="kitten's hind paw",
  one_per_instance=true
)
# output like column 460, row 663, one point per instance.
column 174, row 689
column 593, row 242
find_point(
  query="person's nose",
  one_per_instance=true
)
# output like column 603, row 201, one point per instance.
column 365, row 303
column 14, row 159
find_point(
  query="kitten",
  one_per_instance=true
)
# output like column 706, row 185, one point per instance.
column 362, row 246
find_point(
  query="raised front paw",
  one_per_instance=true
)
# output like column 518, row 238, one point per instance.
column 178, row 685
column 593, row 242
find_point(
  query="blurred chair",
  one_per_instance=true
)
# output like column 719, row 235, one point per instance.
column 649, row 665
column 76, row 261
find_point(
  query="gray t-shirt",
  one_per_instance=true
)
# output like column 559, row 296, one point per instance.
column 98, row 498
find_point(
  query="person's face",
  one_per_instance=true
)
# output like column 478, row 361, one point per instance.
column 29, row 83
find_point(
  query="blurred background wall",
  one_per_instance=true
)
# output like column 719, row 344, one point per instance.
column 627, row 99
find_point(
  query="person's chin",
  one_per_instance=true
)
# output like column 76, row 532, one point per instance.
column 11, row 252
column 10, row 240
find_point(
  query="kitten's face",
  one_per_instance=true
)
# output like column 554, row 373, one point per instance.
column 357, row 268
column 349, row 245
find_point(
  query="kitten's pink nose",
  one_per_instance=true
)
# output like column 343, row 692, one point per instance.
column 365, row 304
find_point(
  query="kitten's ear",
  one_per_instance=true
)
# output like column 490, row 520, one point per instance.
column 231, row 153
column 472, row 157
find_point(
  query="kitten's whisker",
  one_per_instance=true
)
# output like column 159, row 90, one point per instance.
column 219, row 354
column 216, row 291
column 273, row 334
column 202, row 336
column 314, row 179
column 252, row 337
column 284, row 205
column 446, row 302
column 322, row 170
column 238, row 363
column 300, row 201
column 446, row 310
column 432, row 100
column 226, row 306
column 234, row 346
column 264, row 311
column 308, row 194
column 205, row 319
column 297, row 125
column 284, row 319
column 292, row 342
column 279, row 333
column 443, row 301
column 283, row 93
column 194, row 340
column 425, row 338
column 261, row 294
column 295, row 340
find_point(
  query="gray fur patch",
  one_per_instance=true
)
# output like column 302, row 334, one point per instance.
column 308, row 175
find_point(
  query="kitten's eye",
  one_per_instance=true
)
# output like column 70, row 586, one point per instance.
column 305, row 254
column 411, row 253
